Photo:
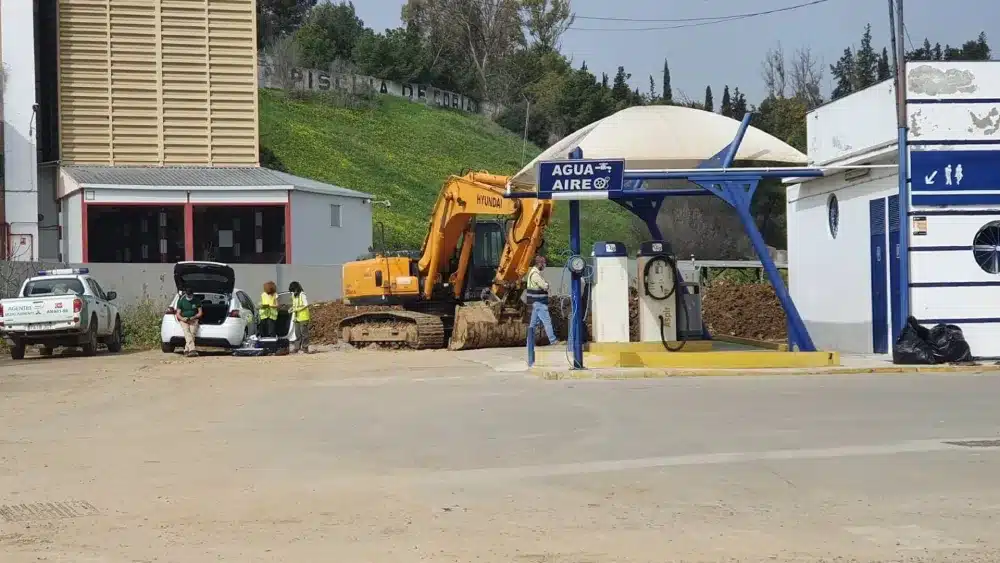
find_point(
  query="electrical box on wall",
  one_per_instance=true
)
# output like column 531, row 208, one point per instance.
column 609, row 293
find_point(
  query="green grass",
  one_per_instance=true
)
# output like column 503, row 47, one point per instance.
column 403, row 151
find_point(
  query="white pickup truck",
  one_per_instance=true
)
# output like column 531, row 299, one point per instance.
column 63, row 307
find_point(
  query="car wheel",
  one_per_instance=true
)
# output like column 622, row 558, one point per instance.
column 45, row 351
column 89, row 346
column 17, row 351
column 114, row 342
column 166, row 348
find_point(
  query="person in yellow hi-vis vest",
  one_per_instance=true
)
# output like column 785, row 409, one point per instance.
column 268, row 310
column 300, row 316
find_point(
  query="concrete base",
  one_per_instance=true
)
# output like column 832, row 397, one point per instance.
column 600, row 348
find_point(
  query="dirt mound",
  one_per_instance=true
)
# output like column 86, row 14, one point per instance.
column 744, row 310
column 326, row 318
column 735, row 309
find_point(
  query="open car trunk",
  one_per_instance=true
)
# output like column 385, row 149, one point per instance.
column 214, row 308
column 205, row 277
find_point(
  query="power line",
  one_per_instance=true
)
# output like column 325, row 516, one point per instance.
column 689, row 22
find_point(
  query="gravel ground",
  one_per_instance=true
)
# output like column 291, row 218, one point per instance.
column 423, row 456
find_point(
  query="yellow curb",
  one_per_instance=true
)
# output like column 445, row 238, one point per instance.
column 623, row 374
column 751, row 342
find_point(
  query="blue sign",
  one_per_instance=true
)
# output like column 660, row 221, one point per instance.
column 580, row 178
column 954, row 170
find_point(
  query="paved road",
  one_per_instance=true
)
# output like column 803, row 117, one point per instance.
column 228, row 459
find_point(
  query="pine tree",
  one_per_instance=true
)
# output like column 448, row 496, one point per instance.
column 652, row 90
column 865, row 62
column 726, row 106
column 709, row 103
column 843, row 74
column 884, row 69
column 668, row 94
column 620, row 91
column 739, row 103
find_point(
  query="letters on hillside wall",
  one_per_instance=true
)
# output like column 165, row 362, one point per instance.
column 321, row 80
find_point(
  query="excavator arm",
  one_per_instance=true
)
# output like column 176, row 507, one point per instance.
column 460, row 201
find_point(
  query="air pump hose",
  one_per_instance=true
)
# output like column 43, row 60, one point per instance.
column 676, row 289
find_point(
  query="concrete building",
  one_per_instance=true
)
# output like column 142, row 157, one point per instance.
column 846, row 243
column 131, row 135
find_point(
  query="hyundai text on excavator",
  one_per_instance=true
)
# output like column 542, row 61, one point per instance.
column 465, row 287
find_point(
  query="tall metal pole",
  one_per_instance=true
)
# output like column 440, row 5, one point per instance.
column 904, row 186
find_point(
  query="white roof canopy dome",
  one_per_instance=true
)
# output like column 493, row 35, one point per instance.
column 663, row 138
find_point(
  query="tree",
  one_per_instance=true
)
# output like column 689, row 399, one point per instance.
column 482, row 32
column 884, row 69
column 546, row 21
column 772, row 70
column 806, row 78
column 620, row 91
column 739, row 104
column 726, row 106
column 283, row 58
column 709, row 103
column 278, row 18
column 843, row 74
column 329, row 34
column 652, row 90
column 668, row 95
column 865, row 62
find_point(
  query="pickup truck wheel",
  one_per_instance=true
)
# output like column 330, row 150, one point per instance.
column 17, row 351
column 114, row 341
column 89, row 346
column 166, row 348
column 45, row 351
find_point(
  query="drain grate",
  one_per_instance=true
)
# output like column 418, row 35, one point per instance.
column 47, row 511
column 976, row 443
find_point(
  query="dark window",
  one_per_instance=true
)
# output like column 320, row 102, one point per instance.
column 833, row 214
column 54, row 286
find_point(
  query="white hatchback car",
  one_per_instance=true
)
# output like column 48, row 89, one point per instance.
column 228, row 314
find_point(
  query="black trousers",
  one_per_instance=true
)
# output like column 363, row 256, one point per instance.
column 267, row 328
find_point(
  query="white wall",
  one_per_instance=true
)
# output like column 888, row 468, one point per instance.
column 19, row 143
column 830, row 278
column 947, row 284
column 316, row 241
column 852, row 125
column 71, row 219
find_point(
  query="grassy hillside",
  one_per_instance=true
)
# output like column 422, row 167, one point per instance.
column 402, row 151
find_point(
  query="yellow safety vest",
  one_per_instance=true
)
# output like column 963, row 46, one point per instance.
column 272, row 311
column 301, row 310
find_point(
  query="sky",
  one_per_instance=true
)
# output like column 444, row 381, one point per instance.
column 731, row 53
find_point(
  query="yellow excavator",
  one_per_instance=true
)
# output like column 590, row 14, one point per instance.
column 464, row 288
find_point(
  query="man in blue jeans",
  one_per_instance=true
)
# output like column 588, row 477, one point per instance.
column 537, row 293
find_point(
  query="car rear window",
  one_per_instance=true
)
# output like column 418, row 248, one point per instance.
column 53, row 286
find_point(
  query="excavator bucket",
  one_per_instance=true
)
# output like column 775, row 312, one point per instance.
column 484, row 325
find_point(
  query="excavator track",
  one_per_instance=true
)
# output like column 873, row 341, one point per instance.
column 394, row 328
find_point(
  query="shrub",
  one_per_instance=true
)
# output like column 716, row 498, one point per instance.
column 141, row 324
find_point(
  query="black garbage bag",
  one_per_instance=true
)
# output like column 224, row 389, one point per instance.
column 949, row 344
column 913, row 346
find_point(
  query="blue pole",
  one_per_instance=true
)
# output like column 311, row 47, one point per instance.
column 531, row 346
column 576, row 341
column 576, row 320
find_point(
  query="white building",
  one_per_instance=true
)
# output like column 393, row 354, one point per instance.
column 130, row 134
column 845, row 245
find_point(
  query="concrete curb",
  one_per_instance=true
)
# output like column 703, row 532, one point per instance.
column 777, row 346
column 640, row 373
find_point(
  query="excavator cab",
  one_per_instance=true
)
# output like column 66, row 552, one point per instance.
column 486, row 251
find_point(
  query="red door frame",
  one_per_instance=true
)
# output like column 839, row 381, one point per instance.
column 189, row 220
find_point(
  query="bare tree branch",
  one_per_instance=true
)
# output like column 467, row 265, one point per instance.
column 806, row 75
column 773, row 71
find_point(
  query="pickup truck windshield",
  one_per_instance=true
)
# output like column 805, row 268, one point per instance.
column 53, row 286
